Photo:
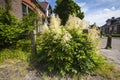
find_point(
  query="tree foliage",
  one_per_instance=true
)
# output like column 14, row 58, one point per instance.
column 64, row 8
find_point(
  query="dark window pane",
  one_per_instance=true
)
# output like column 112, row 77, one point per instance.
column 24, row 9
column 30, row 10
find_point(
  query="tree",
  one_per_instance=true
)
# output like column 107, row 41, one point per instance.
column 64, row 8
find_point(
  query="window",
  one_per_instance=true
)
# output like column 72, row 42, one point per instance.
column 108, row 23
column 115, row 29
column 31, row 0
column 26, row 9
column 29, row 10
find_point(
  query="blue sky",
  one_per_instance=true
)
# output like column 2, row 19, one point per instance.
column 97, row 10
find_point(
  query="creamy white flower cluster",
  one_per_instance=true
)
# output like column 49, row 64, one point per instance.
column 73, row 23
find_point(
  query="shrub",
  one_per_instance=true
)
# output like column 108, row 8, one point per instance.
column 29, row 22
column 66, row 49
column 12, row 29
column 9, row 28
column 24, row 45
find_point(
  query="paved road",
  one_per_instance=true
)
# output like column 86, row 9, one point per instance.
column 115, row 43
column 113, row 54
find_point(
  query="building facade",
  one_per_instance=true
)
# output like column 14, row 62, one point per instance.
column 112, row 26
column 47, row 10
column 22, row 7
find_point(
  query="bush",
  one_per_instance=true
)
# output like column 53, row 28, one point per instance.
column 66, row 49
column 9, row 28
column 12, row 29
column 24, row 45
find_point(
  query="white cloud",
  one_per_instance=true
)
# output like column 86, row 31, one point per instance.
column 83, row 6
column 100, row 16
column 109, row 0
column 106, row 9
column 113, row 8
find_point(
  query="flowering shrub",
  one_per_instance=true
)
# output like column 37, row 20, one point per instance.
column 66, row 49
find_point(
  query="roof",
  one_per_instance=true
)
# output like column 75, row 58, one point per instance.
column 93, row 25
column 34, row 5
column 29, row 3
column 113, row 21
column 44, row 5
column 104, row 25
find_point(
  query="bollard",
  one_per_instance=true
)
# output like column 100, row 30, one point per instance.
column 33, row 40
column 109, row 42
column 100, row 34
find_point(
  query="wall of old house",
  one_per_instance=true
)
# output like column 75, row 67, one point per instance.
column 112, row 26
column 2, row 3
column 17, row 8
column 118, row 29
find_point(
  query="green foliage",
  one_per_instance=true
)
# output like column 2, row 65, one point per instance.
column 9, row 28
column 24, row 45
column 64, row 8
column 12, row 54
column 29, row 22
column 113, row 35
column 67, row 50
column 12, row 30
column 108, row 71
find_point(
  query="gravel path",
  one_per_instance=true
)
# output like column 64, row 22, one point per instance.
column 113, row 54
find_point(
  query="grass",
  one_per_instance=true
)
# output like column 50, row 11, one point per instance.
column 15, row 62
column 108, row 71
column 13, row 54
column 13, row 70
column 113, row 35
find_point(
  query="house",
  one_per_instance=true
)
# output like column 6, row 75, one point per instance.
column 94, row 25
column 22, row 7
column 112, row 26
column 47, row 10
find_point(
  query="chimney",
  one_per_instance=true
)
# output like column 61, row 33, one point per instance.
column 113, row 18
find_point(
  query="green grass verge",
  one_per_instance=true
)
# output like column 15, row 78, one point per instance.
column 13, row 54
column 113, row 35
column 108, row 72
